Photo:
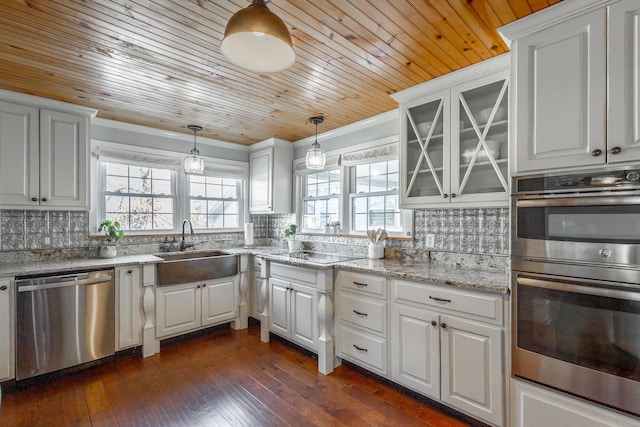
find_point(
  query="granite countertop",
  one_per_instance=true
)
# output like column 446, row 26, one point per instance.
column 45, row 267
column 493, row 281
column 460, row 277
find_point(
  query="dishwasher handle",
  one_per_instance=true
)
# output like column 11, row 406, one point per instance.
column 90, row 281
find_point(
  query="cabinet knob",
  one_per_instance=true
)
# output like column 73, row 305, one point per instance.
column 453, row 195
column 34, row 199
column 596, row 152
column 44, row 199
column 434, row 323
column 129, row 271
column 3, row 288
column 616, row 150
column 445, row 195
column 443, row 325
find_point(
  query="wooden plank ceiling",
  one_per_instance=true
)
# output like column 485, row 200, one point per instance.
column 158, row 63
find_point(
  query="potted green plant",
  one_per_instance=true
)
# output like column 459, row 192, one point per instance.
column 294, row 245
column 112, row 235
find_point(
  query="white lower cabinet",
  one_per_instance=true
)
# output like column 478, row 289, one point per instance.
column 255, row 305
column 190, row 306
column 361, row 319
column 129, row 316
column 535, row 406
column 298, row 306
column 437, row 352
column 6, row 330
column 293, row 312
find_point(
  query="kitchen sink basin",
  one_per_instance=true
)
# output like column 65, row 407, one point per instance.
column 188, row 267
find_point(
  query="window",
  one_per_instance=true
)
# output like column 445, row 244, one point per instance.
column 214, row 202
column 139, row 197
column 374, row 197
column 321, row 199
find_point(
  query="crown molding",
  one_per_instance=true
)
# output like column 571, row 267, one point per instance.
column 50, row 104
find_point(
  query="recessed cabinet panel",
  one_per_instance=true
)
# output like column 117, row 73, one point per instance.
column 63, row 158
column 561, row 95
column 178, row 309
column 129, row 300
column 219, row 301
column 304, row 316
column 279, row 311
column 415, row 337
column 6, row 330
column 19, row 151
column 472, row 367
column 624, row 81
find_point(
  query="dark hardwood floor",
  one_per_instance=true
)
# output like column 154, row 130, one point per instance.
column 221, row 378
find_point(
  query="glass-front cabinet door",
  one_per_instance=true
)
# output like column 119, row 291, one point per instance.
column 427, row 151
column 454, row 139
column 479, row 149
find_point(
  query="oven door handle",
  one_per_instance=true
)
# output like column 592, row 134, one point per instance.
column 632, row 294
column 578, row 201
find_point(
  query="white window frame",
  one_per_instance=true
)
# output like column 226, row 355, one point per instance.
column 406, row 216
column 345, row 189
column 181, row 210
column 239, row 193
column 103, row 193
column 305, row 198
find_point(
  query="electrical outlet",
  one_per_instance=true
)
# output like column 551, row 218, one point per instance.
column 46, row 241
column 431, row 240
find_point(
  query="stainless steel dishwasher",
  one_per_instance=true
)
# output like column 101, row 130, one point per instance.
column 63, row 321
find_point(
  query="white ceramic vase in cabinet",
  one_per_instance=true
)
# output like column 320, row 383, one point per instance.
column 454, row 139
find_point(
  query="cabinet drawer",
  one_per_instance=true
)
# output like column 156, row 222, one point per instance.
column 257, row 263
column 368, row 350
column 296, row 274
column 365, row 283
column 365, row 312
column 474, row 304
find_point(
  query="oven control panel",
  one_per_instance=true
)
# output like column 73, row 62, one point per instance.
column 626, row 178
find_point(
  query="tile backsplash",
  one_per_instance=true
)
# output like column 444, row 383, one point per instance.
column 477, row 231
column 28, row 229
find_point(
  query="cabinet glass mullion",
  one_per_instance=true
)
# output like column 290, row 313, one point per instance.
column 482, row 171
column 425, row 150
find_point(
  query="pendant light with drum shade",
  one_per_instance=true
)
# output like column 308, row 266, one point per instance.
column 257, row 40
column 194, row 162
column 316, row 158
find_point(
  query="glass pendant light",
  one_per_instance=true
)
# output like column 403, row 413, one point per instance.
column 257, row 40
column 194, row 162
column 316, row 158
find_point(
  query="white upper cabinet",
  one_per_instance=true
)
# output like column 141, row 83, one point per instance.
column 454, row 138
column 624, row 80
column 43, row 154
column 271, row 177
column 564, row 57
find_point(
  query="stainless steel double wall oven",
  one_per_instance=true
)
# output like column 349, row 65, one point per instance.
column 576, row 284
